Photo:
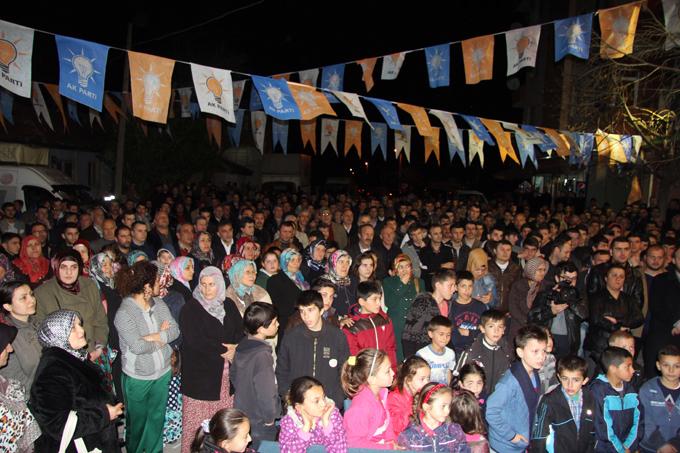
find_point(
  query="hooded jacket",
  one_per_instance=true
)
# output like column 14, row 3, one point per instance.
column 372, row 331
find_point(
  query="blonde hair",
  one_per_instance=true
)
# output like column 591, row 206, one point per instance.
column 357, row 369
column 477, row 258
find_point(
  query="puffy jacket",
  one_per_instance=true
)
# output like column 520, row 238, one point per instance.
column 400, row 407
column 625, row 310
column 447, row 437
column 617, row 418
column 659, row 425
column 494, row 359
column 542, row 315
column 372, row 331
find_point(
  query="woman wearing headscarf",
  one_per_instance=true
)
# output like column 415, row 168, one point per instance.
column 136, row 256
column 314, row 263
column 202, row 253
column 7, row 273
column 285, row 287
column 338, row 274
column 523, row 293
column 19, row 428
column 247, row 248
column 17, row 304
column 182, row 271
column 165, row 256
column 400, row 289
column 32, row 266
column 484, row 288
column 211, row 327
column 83, row 247
column 69, row 290
column 242, row 289
column 66, row 381
column 146, row 328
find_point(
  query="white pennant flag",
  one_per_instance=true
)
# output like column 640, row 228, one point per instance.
column 309, row 77
column 214, row 91
column 452, row 132
column 238, row 88
column 329, row 134
column 671, row 12
column 16, row 53
column 258, row 122
column 185, row 101
column 352, row 102
column 392, row 65
column 476, row 147
column 94, row 116
column 39, row 105
column 402, row 142
column 522, row 45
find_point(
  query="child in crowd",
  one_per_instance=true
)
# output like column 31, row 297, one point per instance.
column 660, row 401
column 327, row 290
column 547, row 372
column 564, row 419
column 226, row 432
column 490, row 349
column 442, row 360
column 624, row 339
column 465, row 313
column 366, row 378
column 617, row 416
column 413, row 374
column 466, row 411
column 511, row 407
column 472, row 377
column 431, row 428
column 172, row 429
column 372, row 327
column 313, row 348
column 252, row 372
column 311, row 419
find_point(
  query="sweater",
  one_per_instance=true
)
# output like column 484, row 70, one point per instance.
column 447, row 437
column 367, row 421
column 293, row 439
column 660, row 423
column 372, row 331
column 617, row 417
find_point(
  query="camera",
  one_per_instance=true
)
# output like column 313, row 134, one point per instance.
column 564, row 294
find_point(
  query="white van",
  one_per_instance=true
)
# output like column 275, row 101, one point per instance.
column 34, row 184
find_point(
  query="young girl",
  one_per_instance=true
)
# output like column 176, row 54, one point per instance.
column 312, row 419
column 413, row 374
column 465, row 411
column 547, row 373
column 472, row 378
column 431, row 428
column 228, row 431
column 365, row 379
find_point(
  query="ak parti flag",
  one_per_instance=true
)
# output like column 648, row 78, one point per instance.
column 16, row 54
column 419, row 117
column 308, row 133
column 478, row 59
column 617, row 26
column 503, row 139
column 150, row 79
column 367, row 66
column 563, row 148
column 311, row 102
column 353, row 136
column 432, row 145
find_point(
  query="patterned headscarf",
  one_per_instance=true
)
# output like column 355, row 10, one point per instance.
column 97, row 272
column 55, row 330
column 332, row 274
column 35, row 268
column 9, row 270
column 161, row 251
column 164, row 278
column 530, row 269
column 241, row 243
column 309, row 255
column 134, row 255
column 200, row 254
column 86, row 265
column 213, row 306
column 297, row 277
column 177, row 269
column 236, row 274
column 71, row 256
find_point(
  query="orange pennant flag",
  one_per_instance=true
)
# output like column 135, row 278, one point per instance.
column 311, row 102
column 150, row 79
column 114, row 110
column 308, row 133
column 432, row 145
column 478, row 59
column 214, row 127
column 353, row 135
column 503, row 139
column 285, row 77
column 618, row 26
column 563, row 148
column 635, row 193
column 54, row 92
column 367, row 65
column 420, row 118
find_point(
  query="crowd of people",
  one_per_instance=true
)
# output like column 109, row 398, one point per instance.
column 221, row 320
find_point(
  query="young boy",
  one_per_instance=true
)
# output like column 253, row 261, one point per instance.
column 491, row 349
column 252, row 372
column 442, row 360
column 617, row 415
column 624, row 339
column 372, row 327
column 465, row 313
column 327, row 290
column 564, row 419
column 660, row 401
column 511, row 407
column 313, row 348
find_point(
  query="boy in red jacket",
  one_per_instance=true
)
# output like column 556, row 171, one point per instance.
column 372, row 327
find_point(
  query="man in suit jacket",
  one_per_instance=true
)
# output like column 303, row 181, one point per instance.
column 364, row 244
column 343, row 232
column 224, row 243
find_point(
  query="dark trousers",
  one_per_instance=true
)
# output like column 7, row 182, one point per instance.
column 260, row 432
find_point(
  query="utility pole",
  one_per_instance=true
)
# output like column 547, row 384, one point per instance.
column 120, row 146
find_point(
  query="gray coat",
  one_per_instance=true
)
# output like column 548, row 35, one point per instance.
column 27, row 350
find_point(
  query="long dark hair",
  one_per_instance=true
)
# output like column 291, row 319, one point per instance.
column 222, row 426
column 7, row 292
column 132, row 280
column 296, row 394
column 407, row 369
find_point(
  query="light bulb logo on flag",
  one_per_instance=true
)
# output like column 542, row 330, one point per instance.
column 275, row 96
column 215, row 87
column 334, row 81
column 82, row 66
column 8, row 53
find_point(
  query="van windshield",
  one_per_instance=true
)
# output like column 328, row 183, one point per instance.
column 74, row 192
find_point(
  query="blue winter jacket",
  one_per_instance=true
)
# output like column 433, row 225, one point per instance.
column 658, row 424
column 617, row 417
column 507, row 414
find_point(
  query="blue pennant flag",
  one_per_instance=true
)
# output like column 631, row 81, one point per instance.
column 333, row 78
column 235, row 130
column 276, row 98
column 526, row 150
column 379, row 138
column 547, row 143
column 280, row 134
column 438, row 67
column 73, row 112
column 7, row 105
column 255, row 103
column 388, row 111
column 456, row 151
column 82, row 69
column 572, row 36
column 479, row 129
column 580, row 154
column 627, row 144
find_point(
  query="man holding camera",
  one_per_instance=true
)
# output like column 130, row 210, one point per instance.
column 562, row 310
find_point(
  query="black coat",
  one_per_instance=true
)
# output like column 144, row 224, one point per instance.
column 632, row 285
column 64, row 383
column 202, row 339
column 625, row 310
column 113, row 301
column 542, row 315
column 284, row 294
column 664, row 311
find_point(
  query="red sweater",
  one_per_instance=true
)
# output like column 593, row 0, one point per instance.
column 372, row 331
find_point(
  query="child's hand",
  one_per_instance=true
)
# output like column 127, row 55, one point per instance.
column 464, row 332
column 667, row 448
column 115, row 411
column 486, row 298
column 518, row 438
column 229, row 354
column 347, row 322
column 326, row 416
column 165, row 325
